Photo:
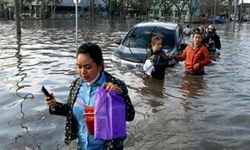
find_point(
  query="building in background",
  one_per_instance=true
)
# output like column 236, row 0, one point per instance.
column 65, row 8
column 169, row 9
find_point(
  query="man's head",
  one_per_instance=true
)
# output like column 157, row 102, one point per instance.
column 211, row 28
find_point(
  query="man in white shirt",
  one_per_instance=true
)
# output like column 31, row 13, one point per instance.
column 187, row 31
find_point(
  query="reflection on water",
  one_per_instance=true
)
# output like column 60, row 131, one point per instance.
column 153, row 90
column 182, row 112
column 192, row 86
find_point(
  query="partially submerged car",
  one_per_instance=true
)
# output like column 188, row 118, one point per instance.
column 136, row 43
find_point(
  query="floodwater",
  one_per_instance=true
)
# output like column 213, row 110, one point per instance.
column 183, row 112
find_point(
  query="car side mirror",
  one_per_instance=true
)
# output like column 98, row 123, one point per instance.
column 118, row 41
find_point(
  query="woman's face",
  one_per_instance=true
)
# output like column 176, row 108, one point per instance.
column 206, row 30
column 197, row 38
column 86, row 67
column 157, row 46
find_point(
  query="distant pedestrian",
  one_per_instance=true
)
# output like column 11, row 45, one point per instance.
column 212, row 39
column 187, row 31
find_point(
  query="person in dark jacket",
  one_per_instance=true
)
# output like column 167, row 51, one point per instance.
column 212, row 40
column 157, row 57
column 89, row 62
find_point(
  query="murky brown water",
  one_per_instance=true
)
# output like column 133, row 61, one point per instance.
column 183, row 112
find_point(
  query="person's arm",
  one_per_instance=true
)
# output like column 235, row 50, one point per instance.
column 205, row 40
column 130, row 111
column 163, row 60
column 61, row 109
column 55, row 107
column 181, row 57
column 217, row 42
column 164, row 56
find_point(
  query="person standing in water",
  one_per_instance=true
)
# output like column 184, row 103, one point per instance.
column 195, row 55
column 156, row 60
column 89, row 62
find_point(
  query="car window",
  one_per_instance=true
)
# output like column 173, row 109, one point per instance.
column 168, row 37
column 139, row 37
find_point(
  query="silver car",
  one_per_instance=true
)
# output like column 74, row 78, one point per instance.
column 134, row 46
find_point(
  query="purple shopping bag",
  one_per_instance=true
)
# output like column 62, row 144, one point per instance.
column 109, row 110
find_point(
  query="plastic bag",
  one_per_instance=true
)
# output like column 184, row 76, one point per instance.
column 109, row 110
column 148, row 67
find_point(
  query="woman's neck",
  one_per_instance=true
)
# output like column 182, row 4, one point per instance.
column 95, row 79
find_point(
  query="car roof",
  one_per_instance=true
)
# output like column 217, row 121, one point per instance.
column 168, row 25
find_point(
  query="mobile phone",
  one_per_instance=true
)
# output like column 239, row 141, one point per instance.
column 45, row 91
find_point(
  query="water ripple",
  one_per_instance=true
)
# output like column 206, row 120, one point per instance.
column 183, row 112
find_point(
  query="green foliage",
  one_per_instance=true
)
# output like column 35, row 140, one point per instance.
column 5, row 1
column 2, row 13
column 43, row 7
column 113, row 6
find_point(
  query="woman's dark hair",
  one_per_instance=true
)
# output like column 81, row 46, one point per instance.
column 197, row 31
column 93, row 50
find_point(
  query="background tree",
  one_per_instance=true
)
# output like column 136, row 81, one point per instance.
column 193, row 6
column 139, row 7
column 4, row 1
column 42, row 8
column 28, row 4
column 3, row 9
column 92, row 8
column 17, row 17
column 125, row 7
column 208, row 7
column 230, row 8
column 180, row 5
column 122, row 8
column 166, row 5
column 55, row 3
column 111, row 6
column 147, row 5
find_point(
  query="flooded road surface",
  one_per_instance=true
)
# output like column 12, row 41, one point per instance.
column 183, row 112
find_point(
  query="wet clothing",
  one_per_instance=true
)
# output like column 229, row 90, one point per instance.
column 160, row 62
column 212, row 36
column 75, row 126
column 193, row 55
column 200, row 72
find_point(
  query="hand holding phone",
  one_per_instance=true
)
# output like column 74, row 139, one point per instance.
column 50, row 101
column 45, row 91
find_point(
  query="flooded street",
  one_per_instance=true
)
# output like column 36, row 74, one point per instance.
column 210, row 112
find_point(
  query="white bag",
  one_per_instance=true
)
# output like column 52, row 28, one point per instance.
column 148, row 67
